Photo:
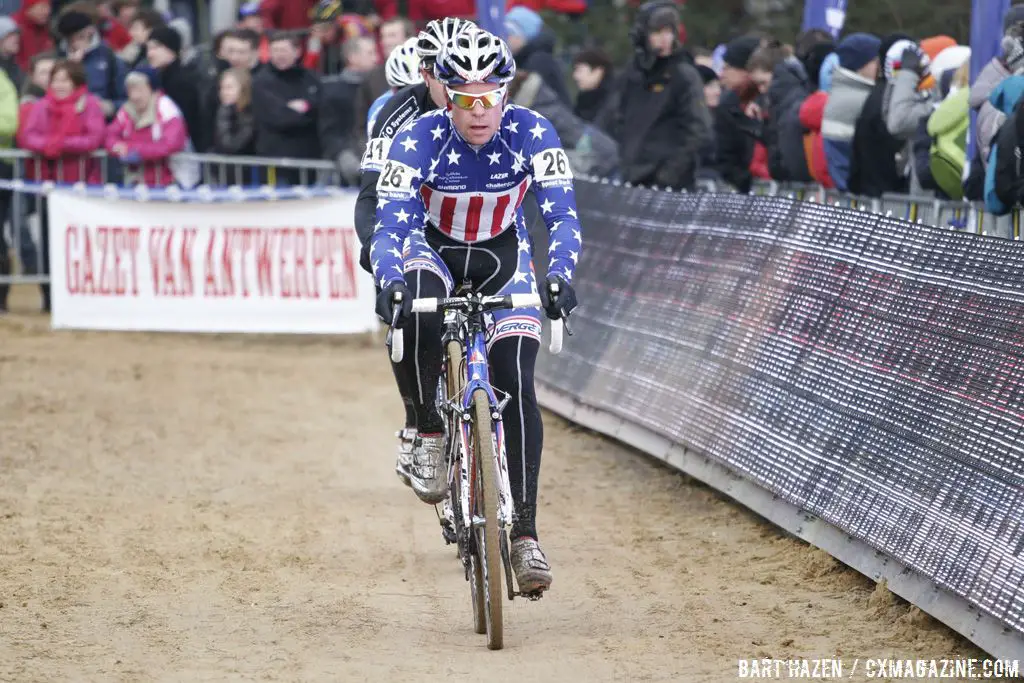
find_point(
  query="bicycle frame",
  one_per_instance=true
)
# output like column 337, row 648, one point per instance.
column 471, row 334
column 464, row 325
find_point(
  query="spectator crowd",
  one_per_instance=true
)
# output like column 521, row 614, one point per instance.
column 866, row 114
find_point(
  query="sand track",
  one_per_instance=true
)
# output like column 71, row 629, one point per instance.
column 183, row 508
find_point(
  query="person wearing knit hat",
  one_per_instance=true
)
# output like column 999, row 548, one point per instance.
column 859, row 52
column 877, row 164
column 854, row 76
column 249, row 17
column 73, row 23
column 522, row 25
column 737, row 53
column 164, row 46
column 660, row 119
column 144, row 73
column 1014, row 19
column 179, row 81
column 81, row 41
column 533, row 46
column 149, row 120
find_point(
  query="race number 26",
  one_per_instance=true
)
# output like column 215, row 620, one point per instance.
column 551, row 164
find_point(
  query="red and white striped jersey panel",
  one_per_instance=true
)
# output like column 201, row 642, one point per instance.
column 473, row 216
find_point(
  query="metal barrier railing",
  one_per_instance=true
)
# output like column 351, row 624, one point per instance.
column 24, row 226
column 964, row 216
column 25, row 179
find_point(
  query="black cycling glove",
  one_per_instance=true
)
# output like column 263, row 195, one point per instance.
column 558, row 305
column 386, row 304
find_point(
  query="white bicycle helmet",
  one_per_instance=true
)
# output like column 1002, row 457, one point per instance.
column 475, row 56
column 436, row 34
column 403, row 65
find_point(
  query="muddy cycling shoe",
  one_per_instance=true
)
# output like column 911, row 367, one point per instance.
column 406, row 439
column 533, row 573
column 428, row 474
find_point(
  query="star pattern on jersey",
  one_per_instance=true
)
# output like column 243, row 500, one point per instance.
column 443, row 167
column 432, row 176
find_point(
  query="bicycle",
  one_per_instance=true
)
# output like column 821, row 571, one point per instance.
column 478, row 482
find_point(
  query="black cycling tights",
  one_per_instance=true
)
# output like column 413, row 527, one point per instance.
column 512, row 360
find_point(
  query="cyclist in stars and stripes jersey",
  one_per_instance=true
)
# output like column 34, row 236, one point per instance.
column 404, row 106
column 450, row 212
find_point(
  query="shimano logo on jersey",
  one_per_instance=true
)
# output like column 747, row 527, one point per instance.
column 450, row 188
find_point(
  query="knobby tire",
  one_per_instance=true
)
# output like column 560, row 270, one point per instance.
column 488, row 503
column 476, row 575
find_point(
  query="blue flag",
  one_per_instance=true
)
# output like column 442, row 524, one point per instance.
column 491, row 16
column 986, row 34
column 829, row 15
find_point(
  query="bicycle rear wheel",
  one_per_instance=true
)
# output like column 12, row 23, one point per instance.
column 487, row 504
column 454, row 384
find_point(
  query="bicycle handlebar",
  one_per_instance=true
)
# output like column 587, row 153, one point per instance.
column 486, row 303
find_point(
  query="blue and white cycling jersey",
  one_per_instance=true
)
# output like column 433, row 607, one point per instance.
column 371, row 114
column 432, row 177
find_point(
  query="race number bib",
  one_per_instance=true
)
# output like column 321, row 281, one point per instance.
column 551, row 166
column 376, row 154
column 396, row 180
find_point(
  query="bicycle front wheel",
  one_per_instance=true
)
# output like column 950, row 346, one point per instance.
column 488, row 504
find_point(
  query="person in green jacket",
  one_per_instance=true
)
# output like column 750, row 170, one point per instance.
column 8, row 129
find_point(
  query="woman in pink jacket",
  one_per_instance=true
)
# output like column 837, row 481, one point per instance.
column 64, row 128
column 147, row 131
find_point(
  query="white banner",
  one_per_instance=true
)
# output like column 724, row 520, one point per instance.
column 261, row 267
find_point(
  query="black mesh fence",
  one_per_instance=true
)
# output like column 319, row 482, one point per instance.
column 866, row 369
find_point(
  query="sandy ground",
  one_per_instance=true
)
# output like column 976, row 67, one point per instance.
column 184, row 508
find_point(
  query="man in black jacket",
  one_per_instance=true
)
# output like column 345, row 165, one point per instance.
column 183, row 84
column 660, row 119
column 340, row 133
column 286, row 103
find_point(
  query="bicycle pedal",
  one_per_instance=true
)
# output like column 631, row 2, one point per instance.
column 532, row 595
